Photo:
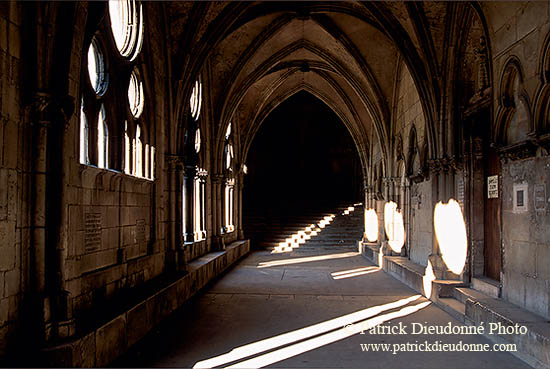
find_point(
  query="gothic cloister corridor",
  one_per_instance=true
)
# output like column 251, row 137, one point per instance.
column 293, row 310
column 220, row 183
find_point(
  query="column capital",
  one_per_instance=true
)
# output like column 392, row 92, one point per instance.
column 46, row 108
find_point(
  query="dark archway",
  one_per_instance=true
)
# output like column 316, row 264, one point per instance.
column 302, row 159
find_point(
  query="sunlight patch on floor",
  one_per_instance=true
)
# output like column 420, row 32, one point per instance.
column 308, row 259
column 323, row 333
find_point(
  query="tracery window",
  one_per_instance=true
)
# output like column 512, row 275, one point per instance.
column 199, row 183
column 127, row 26
column 102, row 140
column 84, row 134
column 115, row 132
column 229, row 185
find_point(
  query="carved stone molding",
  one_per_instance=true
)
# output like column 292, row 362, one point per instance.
column 46, row 108
column 445, row 165
column 456, row 164
column 417, row 177
column 544, row 141
column 434, row 166
column 518, row 151
column 201, row 173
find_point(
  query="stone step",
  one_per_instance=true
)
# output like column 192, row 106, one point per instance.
column 446, row 287
column 473, row 307
column 464, row 293
column 454, row 307
column 342, row 233
column 487, row 286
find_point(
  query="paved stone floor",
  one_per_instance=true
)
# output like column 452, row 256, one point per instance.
column 294, row 300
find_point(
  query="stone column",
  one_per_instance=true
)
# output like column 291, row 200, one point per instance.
column 202, row 187
column 189, row 173
column 366, row 206
column 476, row 207
column 175, row 180
column 406, row 211
column 49, row 117
column 435, row 167
column 238, row 194
column 217, row 211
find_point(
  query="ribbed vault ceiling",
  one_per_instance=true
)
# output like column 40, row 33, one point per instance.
column 345, row 53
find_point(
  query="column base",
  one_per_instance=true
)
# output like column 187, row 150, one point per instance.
column 440, row 269
column 60, row 330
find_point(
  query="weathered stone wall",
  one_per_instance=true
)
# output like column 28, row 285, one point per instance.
column 116, row 223
column 421, row 236
column 526, row 235
column 518, row 30
column 408, row 109
column 409, row 113
column 14, row 219
column 109, row 235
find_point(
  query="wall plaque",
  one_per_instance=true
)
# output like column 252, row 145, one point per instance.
column 540, row 196
column 492, row 187
column 140, row 230
column 92, row 231
column 520, row 198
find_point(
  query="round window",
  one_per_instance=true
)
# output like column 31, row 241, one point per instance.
column 127, row 26
column 196, row 100
column 135, row 95
column 96, row 67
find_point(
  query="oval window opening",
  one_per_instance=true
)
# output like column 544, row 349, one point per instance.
column 135, row 95
column 127, row 26
column 96, row 67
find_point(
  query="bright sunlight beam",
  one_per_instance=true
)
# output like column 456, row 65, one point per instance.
column 393, row 224
column 308, row 259
column 371, row 225
column 326, row 339
column 354, row 272
column 242, row 352
column 295, row 240
column 427, row 280
column 450, row 231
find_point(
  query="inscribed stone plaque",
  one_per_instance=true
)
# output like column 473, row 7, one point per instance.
column 520, row 198
column 540, row 197
column 92, row 236
column 140, row 230
column 492, row 187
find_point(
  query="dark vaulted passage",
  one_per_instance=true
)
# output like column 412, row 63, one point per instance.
column 253, row 183
column 302, row 158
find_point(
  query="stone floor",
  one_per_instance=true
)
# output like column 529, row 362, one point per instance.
column 280, row 310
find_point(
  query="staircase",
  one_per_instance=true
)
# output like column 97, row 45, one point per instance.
column 338, row 230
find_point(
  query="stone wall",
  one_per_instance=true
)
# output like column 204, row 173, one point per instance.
column 14, row 216
column 116, row 224
column 408, row 109
column 518, row 32
column 526, row 235
column 409, row 114
column 111, row 243
column 517, row 29
column 421, row 236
